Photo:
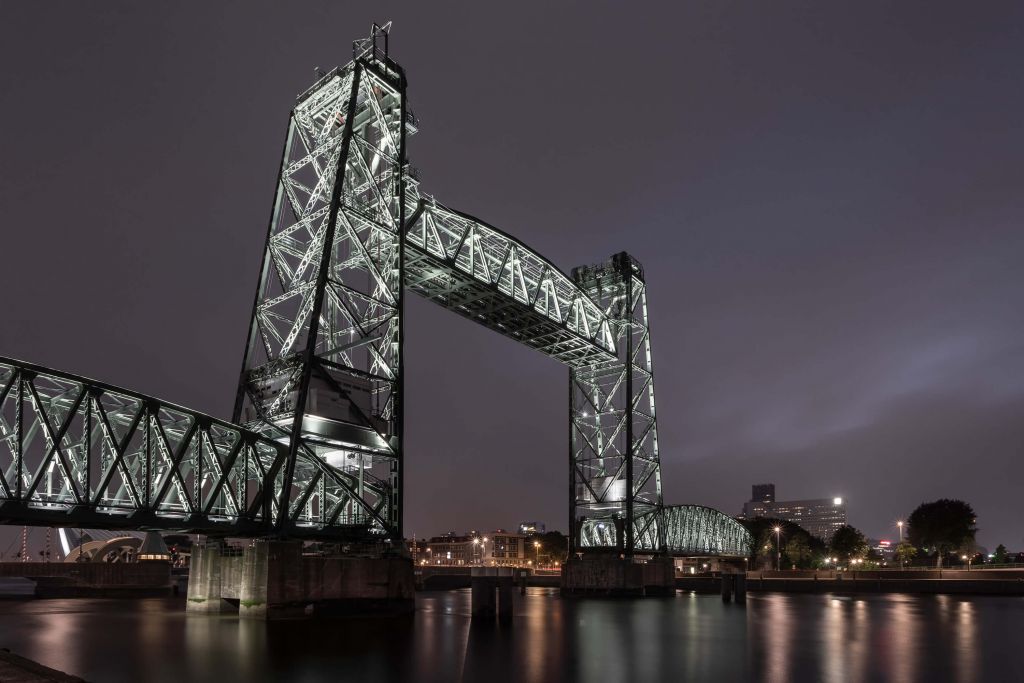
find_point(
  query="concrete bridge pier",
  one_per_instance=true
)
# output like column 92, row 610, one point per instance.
column 273, row 579
column 734, row 585
column 490, row 587
column 609, row 574
column 204, row 580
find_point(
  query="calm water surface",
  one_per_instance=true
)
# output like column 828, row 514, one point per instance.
column 775, row 637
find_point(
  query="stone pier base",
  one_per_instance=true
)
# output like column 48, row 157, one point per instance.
column 273, row 579
column 610, row 575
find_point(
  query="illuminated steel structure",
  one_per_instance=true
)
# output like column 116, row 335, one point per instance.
column 316, row 450
column 695, row 530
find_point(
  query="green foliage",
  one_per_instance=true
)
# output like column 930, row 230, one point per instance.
column 848, row 543
column 946, row 525
column 554, row 544
column 1000, row 556
column 905, row 553
column 797, row 552
column 762, row 531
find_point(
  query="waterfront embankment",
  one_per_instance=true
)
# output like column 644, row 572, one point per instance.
column 924, row 581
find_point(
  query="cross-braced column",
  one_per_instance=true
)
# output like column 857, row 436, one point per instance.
column 615, row 472
column 323, row 361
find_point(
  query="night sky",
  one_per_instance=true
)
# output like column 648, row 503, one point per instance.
column 827, row 202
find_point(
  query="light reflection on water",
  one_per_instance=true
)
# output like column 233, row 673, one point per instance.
column 775, row 637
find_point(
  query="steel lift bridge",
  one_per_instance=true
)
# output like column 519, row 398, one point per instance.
column 315, row 449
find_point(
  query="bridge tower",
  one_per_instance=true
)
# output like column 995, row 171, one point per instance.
column 615, row 499
column 322, row 368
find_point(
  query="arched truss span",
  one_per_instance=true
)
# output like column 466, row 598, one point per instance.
column 702, row 531
column 488, row 276
column 689, row 530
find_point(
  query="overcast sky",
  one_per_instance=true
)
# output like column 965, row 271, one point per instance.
column 827, row 202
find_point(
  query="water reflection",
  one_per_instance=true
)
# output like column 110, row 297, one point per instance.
column 775, row 637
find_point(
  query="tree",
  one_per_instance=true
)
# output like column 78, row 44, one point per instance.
column 762, row 532
column 1000, row 556
column 905, row 552
column 848, row 543
column 946, row 525
column 554, row 545
column 798, row 551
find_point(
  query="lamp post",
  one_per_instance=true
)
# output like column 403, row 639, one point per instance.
column 899, row 524
column 967, row 560
column 778, row 548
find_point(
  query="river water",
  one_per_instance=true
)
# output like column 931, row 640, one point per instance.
column 774, row 637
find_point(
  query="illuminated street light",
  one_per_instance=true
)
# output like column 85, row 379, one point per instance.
column 899, row 525
column 778, row 547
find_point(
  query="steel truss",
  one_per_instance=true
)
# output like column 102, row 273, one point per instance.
column 701, row 531
column 75, row 452
column 488, row 276
column 615, row 470
column 322, row 369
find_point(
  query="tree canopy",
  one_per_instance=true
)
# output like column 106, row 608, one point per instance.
column 945, row 525
column 848, row 543
column 803, row 553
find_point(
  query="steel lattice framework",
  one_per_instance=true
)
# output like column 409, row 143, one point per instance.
column 322, row 370
column 316, row 448
column 702, row 531
column 76, row 452
column 615, row 468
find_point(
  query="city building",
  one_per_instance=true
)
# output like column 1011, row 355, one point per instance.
column 883, row 548
column 764, row 493
column 819, row 516
column 499, row 548
column 530, row 528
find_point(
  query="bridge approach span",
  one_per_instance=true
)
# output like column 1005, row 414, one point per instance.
column 76, row 452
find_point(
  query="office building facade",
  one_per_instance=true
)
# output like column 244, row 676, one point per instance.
column 818, row 516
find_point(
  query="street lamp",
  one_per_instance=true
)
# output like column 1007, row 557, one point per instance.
column 778, row 548
column 968, row 560
column 899, row 524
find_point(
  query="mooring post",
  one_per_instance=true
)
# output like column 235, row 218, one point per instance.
column 740, row 583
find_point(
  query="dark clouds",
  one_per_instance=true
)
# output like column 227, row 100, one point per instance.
column 827, row 202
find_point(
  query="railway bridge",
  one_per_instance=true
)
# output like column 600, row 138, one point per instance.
column 315, row 447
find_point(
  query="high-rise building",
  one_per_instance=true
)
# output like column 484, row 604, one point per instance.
column 531, row 528
column 818, row 516
column 764, row 493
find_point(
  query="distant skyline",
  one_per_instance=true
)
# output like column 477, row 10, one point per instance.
column 826, row 200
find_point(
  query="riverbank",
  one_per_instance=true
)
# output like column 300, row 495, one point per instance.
column 16, row 669
column 945, row 581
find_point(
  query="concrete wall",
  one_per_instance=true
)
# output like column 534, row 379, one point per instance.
column 94, row 579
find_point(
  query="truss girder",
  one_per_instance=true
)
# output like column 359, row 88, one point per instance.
column 688, row 531
column 614, row 461
column 78, row 452
column 486, row 275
